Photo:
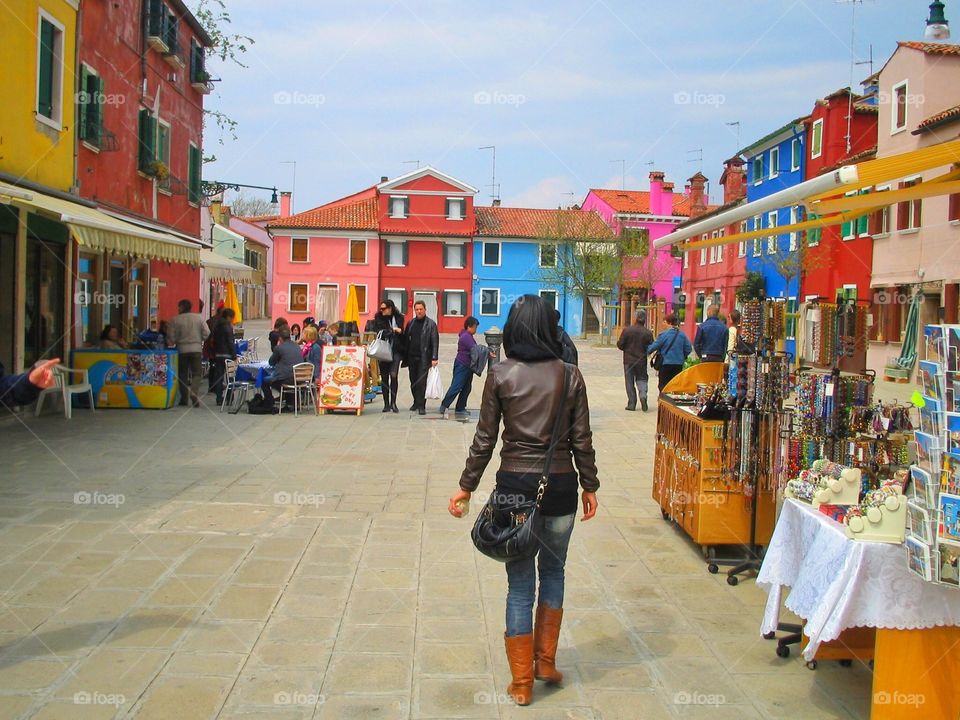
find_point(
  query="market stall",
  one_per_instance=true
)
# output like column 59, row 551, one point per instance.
column 130, row 378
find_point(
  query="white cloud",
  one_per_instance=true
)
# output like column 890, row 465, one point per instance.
column 550, row 192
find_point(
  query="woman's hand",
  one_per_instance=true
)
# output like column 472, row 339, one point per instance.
column 454, row 499
column 589, row 501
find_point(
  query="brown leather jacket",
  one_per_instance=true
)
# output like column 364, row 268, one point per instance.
column 527, row 397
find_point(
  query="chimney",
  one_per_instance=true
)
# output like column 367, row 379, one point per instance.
column 656, row 190
column 383, row 178
column 286, row 199
column 216, row 209
column 496, row 202
column 698, row 197
column 734, row 180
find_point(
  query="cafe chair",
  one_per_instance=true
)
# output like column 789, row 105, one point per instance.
column 62, row 376
column 234, row 391
column 302, row 388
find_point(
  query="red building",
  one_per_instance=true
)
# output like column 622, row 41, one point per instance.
column 840, row 257
column 427, row 224
column 710, row 276
column 140, row 122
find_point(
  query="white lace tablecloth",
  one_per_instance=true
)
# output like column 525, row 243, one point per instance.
column 838, row 583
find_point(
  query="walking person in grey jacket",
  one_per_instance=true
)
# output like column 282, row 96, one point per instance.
column 674, row 346
column 187, row 332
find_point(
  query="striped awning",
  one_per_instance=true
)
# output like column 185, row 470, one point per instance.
column 93, row 228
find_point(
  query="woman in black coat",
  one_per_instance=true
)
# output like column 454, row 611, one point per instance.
column 389, row 318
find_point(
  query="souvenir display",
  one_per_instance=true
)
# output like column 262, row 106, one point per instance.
column 949, row 530
column 947, row 562
column 919, row 558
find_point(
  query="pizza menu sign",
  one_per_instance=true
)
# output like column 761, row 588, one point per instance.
column 342, row 371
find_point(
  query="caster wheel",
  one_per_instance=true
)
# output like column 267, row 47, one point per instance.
column 665, row 515
column 770, row 636
column 713, row 569
column 812, row 665
column 846, row 663
column 732, row 580
column 708, row 551
column 783, row 651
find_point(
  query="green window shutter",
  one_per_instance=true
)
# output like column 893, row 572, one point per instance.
column 406, row 207
column 846, row 229
column 405, row 256
column 403, row 299
column 148, row 138
column 46, row 69
column 83, row 104
column 446, row 252
column 194, row 162
column 98, row 111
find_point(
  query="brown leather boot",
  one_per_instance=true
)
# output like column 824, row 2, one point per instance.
column 546, row 635
column 520, row 657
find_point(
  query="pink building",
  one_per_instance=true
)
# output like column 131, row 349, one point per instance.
column 659, row 211
column 319, row 253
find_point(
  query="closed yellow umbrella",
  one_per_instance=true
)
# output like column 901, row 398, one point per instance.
column 232, row 302
column 351, row 313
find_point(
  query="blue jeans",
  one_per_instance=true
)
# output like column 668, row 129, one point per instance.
column 460, row 386
column 522, row 576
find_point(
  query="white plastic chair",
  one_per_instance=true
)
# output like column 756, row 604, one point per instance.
column 302, row 386
column 66, row 389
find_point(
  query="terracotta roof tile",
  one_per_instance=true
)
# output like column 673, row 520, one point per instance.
column 258, row 218
column 939, row 119
column 638, row 201
column 931, row 48
column 533, row 223
column 338, row 215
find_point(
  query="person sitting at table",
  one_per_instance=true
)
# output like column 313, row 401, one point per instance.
column 274, row 335
column 295, row 333
column 110, row 339
column 311, row 349
column 324, row 335
column 284, row 357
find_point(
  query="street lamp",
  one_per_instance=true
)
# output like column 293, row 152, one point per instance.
column 209, row 188
column 938, row 28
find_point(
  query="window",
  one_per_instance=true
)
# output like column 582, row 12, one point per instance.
column 455, row 302
column 198, row 70
column 816, row 142
column 399, row 207
column 862, row 223
column 490, row 302
column 720, row 250
column 772, row 238
column 742, row 245
column 396, row 253
column 909, row 212
column 455, row 208
column 297, row 298
column 880, row 220
column 794, row 219
column 898, row 114
column 251, row 258
column 194, row 166
column 713, row 254
column 703, row 256
column 50, row 71
column 399, row 297
column 358, row 252
column 551, row 297
column 171, row 30
column 147, row 140
column 548, row 256
column 774, row 162
column 757, row 242
column 361, row 291
column 90, row 106
column 491, row 253
column 454, row 255
column 757, row 169
column 299, row 250
column 814, row 234
column 796, row 150
column 791, row 319
column 701, row 301
column 163, row 153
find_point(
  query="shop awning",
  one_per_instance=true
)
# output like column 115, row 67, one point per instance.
column 824, row 196
column 219, row 267
column 95, row 229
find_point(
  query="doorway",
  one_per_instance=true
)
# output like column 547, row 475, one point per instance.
column 592, row 307
column 428, row 298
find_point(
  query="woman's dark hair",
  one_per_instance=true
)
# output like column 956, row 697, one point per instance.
column 105, row 335
column 390, row 304
column 281, row 321
column 672, row 319
column 470, row 322
column 532, row 324
column 227, row 314
column 295, row 325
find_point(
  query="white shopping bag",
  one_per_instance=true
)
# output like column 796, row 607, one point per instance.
column 434, row 384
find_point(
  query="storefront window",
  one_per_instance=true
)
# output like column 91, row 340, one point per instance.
column 43, row 317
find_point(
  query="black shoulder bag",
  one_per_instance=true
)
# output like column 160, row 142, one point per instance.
column 657, row 362
column 510, row 530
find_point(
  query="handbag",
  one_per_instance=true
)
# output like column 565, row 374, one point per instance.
column 380, row 348
column 657, row 361
column 507, row 529
column 434, row 389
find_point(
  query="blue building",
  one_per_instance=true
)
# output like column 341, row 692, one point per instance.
column 512, row 258
column 774, row 163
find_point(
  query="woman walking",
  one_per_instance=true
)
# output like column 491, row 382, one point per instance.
column 462, row 381
column 224, row 348
column 673, row 346
column 526, row 390
column 389, row 319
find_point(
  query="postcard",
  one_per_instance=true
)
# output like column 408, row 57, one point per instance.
column 918, row 558
column 931, row 416
column 922, row 487
column 931, row 379
column 949, row 564
column 919, row 525
column 928, row 451
column 949, row 518
column 953, row 348
column 934, row 343
column 953, row 432
column 950, row 476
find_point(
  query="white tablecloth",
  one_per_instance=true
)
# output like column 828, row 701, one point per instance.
column 838, row 583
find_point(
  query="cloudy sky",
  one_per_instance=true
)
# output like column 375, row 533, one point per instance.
column 565, row 90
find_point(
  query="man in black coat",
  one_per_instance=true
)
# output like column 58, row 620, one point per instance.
column 634, row 341
column 422, row 342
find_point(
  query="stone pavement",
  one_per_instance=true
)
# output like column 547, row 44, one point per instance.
column 190, row 564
